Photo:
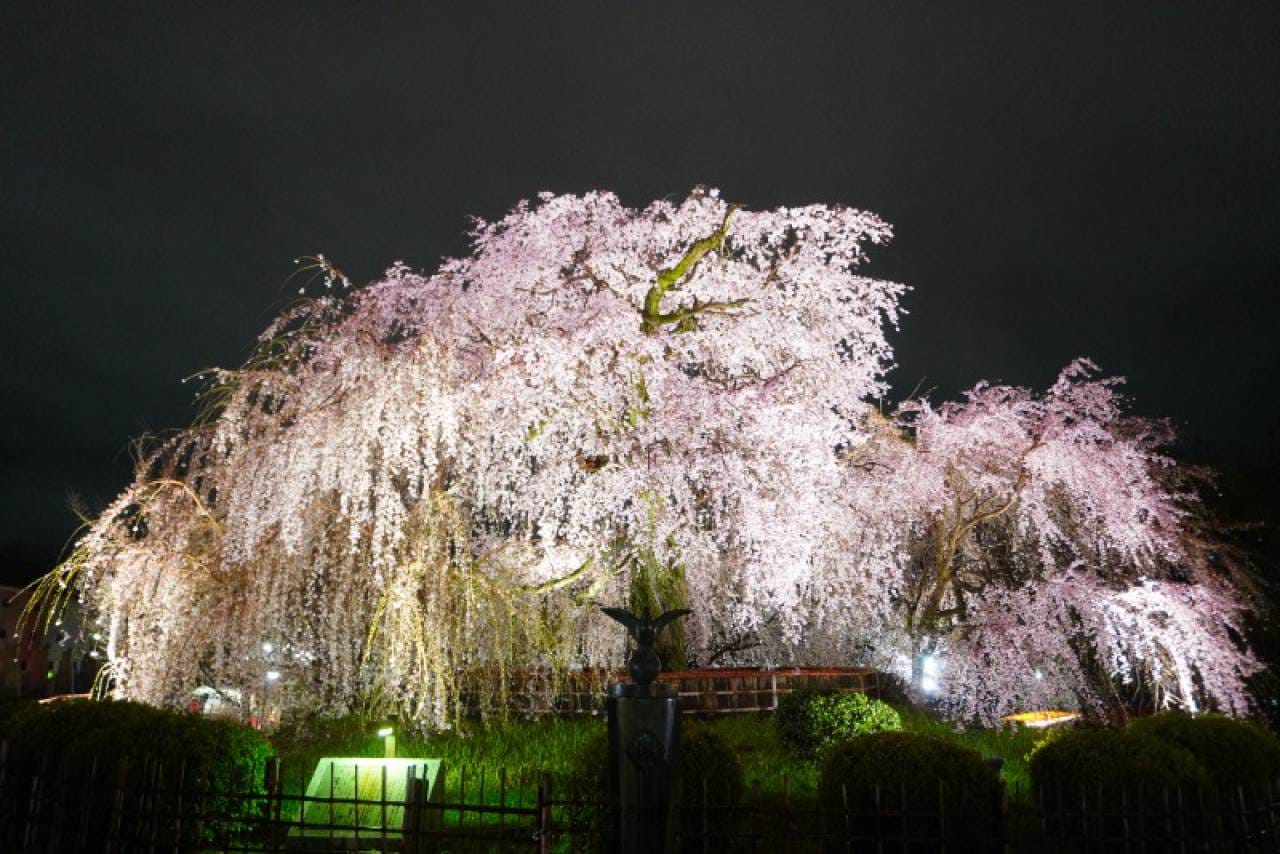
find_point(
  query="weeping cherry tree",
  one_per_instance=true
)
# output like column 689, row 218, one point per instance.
column 414, row 495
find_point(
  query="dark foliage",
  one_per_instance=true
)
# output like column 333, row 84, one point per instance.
column 911, row 785
column 78, row 740
column 1095, row 760
column 1232, row 751
column 903, row 763
column 706, row 756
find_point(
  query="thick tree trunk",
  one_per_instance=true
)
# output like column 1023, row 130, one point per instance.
column 655, row 589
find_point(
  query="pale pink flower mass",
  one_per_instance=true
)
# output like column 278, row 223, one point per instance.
column 688, row 384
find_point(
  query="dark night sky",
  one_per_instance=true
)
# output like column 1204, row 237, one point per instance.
column 1085, row 180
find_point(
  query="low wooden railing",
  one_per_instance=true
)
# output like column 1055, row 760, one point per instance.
column 702, row 692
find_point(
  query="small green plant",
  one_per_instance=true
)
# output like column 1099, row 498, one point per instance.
column 810, row 721
column 1042, row 741
column 1232, row 751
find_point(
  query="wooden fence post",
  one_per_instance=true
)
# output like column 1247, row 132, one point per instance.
column 86, row 796
column 5, row 827
column 1124, row 811
column 848, row 822
column 1271, row 807
column 177, row 809
column 1244, row 817
column 143, row 810
column 271, row 809
column 31, row 826
column 942, row 811
column 409, row 827
column 155, row 812
column 544, row 815
column 117, row 803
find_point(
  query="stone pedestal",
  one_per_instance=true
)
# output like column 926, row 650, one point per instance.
column 644, row 736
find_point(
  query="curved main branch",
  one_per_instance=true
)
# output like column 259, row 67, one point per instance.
column 557, row 583
column 672, row 278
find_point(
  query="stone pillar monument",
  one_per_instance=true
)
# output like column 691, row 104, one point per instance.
column 644, row 742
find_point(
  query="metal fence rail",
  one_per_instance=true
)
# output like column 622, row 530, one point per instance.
column 139, row 806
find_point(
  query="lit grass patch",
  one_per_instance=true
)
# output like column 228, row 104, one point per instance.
column 527, row 748
column 1011, row 744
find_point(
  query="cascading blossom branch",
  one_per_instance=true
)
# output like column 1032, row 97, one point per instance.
column 434, row 477
column 412, row 496
column 1048, row 552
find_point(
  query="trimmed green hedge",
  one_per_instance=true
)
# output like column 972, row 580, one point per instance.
column 908, row 785
column 12, row 709
column 707, row 757
column 1231, row 751
column 1091, row 758
column 812, row 720
column 74, row 738
column 923, row 768
column 73, row 732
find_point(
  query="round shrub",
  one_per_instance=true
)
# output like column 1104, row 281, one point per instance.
column 906, row 785
column 703, row 755
column 812, row 720
column 1111, row 758
column 921, row 767
column 1042, row 740
column 1233, row 752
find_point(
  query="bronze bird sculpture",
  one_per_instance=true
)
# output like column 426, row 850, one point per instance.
column 644, row 664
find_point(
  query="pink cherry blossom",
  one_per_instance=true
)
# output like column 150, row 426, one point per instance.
column 417, row 492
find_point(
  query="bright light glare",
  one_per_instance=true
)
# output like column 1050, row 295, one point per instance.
column 1041, row 719
column 268, row 648
column 385, row 731
column 273, row 675
column 930, row 668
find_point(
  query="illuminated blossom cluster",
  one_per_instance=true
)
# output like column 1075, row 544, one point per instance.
column 414, row 495
column 1045, row 554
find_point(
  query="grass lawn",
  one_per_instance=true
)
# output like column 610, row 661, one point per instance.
column 554, row 745
column 523, row 749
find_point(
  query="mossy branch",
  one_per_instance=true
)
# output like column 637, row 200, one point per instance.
column 673, row 278
column 557, row 583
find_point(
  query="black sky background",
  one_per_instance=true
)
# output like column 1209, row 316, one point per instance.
column 1064, row 180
